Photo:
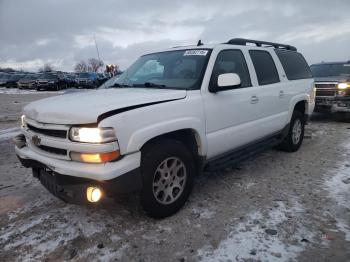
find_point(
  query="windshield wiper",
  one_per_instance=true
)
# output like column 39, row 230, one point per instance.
column 150, row 84
column 119, row 85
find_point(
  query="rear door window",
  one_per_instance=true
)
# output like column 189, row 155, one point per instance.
column 265, row 67
column 294, row 65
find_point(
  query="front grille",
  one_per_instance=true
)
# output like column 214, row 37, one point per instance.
column 48, row 132
column 325, row 93
column 53, row 150
column 326, row 89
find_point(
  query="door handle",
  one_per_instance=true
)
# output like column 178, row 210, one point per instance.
column 281, row 94
column 254, row 99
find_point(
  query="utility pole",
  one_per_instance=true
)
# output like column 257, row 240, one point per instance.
column 98, row 53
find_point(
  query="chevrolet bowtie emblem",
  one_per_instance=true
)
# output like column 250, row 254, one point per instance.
column 36, row 140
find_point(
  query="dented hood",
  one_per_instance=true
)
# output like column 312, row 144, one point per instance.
column 86, row 107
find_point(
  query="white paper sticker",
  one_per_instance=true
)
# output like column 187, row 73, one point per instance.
column 196, row 52
column 346, row 65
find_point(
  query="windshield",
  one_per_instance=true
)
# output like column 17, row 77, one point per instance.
column 30, row 77
column 180, row 69
column 84, row 75
column 16, row 77
column 48, row 76
column 330, row 70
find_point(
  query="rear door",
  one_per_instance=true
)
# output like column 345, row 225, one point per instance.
column 297, row 77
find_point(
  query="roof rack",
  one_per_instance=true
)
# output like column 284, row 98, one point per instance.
column 242, row 41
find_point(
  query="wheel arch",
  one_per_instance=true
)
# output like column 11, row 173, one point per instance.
column 189, row 137
column 300, row 104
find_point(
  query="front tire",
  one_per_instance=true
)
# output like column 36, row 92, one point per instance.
column 295, row 136
column 168, row 171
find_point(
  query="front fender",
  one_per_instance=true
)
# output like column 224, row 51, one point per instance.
column 141, row 136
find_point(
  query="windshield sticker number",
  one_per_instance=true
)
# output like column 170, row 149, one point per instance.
column 196, row 52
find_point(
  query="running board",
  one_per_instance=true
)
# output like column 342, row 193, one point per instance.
column 242, row 153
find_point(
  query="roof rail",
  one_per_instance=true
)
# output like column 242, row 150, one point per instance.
column 242, row 41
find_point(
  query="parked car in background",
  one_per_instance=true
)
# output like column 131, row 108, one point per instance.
column 51, row 82
column 87, row 80
column 70, row 79
column 167, row 118
column 332, row 82
column 4, row 78
column 13, row 80
column 28, row 82
column 102, row 78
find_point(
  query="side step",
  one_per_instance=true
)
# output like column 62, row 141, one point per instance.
column 242, row 153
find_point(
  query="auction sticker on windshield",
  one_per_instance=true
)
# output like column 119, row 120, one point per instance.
column 196, row 52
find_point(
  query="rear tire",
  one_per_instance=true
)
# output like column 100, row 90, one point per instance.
column 295, row 136
column 168, row 171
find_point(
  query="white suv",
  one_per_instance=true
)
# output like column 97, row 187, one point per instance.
column 165, row 119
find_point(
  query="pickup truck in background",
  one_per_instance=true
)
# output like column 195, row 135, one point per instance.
column 332, row 81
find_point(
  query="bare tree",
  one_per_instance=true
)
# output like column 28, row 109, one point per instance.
column 94, row 64
column 46, row 68
column 82, row 66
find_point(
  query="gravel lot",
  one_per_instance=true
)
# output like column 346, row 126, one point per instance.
column 276, row 207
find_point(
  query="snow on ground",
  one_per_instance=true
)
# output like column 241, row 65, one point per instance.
column 9, row 133
column 337, row 183
column 33, row 234
column 12, row 91
column 249, row 239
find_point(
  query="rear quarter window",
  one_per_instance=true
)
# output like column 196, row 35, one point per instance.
column 265, row 67
column 294, row 65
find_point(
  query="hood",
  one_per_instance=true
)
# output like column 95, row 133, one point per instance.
column 26, row 81
column 86, row 107
column 332, row 79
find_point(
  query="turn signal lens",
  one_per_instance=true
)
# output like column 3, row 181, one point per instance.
column 95, row 158
column 93, row 194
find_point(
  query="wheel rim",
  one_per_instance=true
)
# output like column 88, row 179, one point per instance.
column 169, row 180
column 296, row 131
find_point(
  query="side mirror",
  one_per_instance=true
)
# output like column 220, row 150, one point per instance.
column 228, row 80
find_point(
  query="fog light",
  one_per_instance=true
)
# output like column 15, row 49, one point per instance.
column 93, row 194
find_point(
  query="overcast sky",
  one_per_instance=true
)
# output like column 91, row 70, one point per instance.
column 60, row 32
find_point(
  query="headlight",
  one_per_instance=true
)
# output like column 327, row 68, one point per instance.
column 343, row 85
column 92, row 134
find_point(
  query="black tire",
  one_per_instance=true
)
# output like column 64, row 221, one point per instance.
column 289, row 144
column 152, row 158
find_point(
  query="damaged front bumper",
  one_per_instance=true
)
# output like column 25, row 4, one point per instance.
column 69, row 180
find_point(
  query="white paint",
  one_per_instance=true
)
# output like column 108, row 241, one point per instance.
column 248, row 236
